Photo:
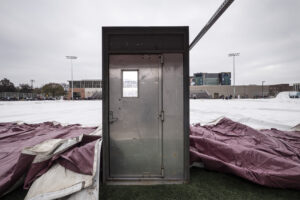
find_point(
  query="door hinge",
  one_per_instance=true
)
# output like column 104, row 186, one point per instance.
column 162, row 115
column 161, row 59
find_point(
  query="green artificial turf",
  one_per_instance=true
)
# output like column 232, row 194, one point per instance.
column 203, row 185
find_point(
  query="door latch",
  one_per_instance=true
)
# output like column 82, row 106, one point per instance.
column 161, row 59
column 111, row 117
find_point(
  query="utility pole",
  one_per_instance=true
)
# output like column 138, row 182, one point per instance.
column 71, row 58
column 262, row 88
column 233, row 55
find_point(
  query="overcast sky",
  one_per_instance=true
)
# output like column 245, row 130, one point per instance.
column 36, row 35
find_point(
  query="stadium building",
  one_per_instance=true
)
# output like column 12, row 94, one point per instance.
column 222, row 78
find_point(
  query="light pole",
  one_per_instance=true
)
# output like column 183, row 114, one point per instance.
column 233, row 55
column 71, row 58
column 31, row 81
column 262, row 88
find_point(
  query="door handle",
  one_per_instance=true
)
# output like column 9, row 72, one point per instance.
column 111, row 117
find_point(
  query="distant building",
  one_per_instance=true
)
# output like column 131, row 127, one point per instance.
column 223, row 78
column 275, row 89
column 227, row 91
column 242, row 91
column 85, row 89
column 296, row 87
column 192, row 80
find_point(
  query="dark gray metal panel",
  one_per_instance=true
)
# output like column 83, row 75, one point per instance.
column 105, row 105
column 145, row 39
column 144, row 42
column 186, row 106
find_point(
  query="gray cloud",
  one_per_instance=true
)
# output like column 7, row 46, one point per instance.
column 35, row 36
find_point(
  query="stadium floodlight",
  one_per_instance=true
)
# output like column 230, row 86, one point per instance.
column 233, row 55
column 71, row 58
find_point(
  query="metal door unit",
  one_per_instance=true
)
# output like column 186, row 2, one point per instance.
column 135, row 122
column 145, row 105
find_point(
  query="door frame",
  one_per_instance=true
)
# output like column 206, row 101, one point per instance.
column 145, row 40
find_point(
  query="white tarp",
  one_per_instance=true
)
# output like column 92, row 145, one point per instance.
column 59, row 182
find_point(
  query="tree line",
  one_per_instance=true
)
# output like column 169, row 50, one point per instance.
column 49, row 89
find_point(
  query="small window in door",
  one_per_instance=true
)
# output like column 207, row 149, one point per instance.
column 130, row 83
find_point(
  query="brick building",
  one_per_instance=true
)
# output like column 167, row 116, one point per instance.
column 85, row 89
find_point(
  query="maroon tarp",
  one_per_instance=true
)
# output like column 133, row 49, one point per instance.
column 14, row 138
column 267, row 157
